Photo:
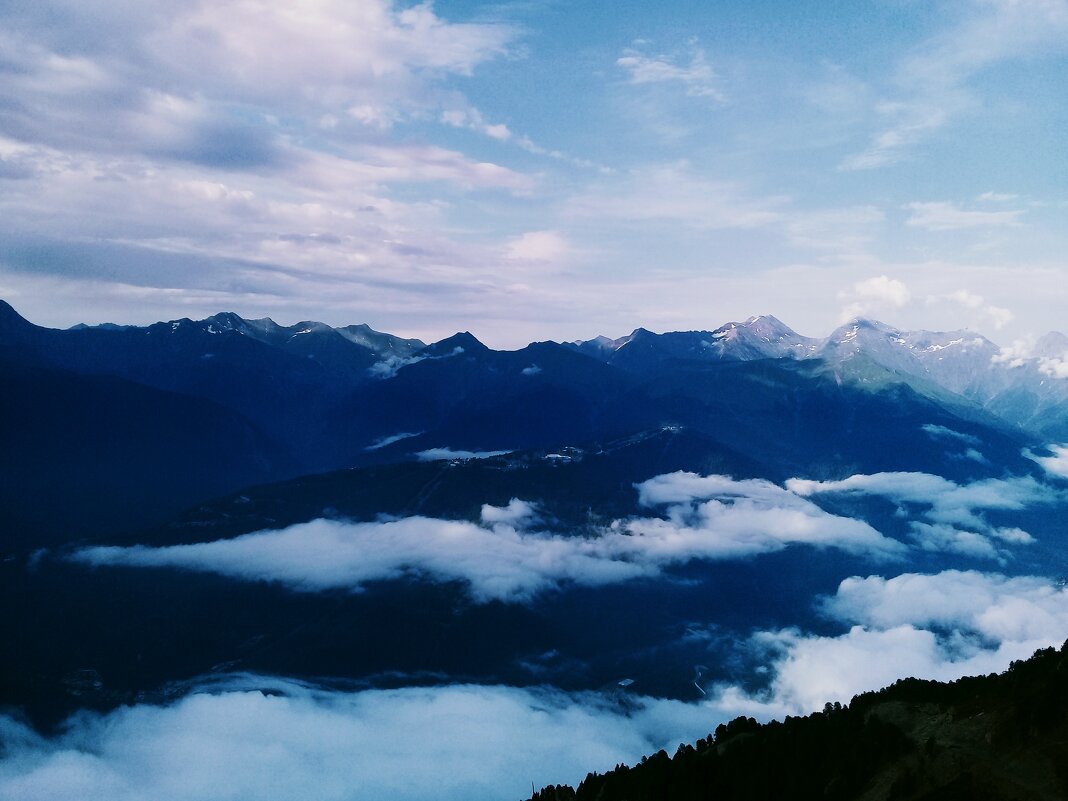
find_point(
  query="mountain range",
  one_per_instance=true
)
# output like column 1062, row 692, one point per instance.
column 663, row 519
column 249, row 401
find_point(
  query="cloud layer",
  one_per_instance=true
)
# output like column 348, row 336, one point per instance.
column 707, row 517
column 302, row 744
column 941, row 626
column 255, row 737
column 953, row 512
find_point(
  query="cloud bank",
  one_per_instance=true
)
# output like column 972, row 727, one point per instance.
column 708, row 517
column 941, row 626
column 453, row 742
column 953, row 512
column 257, row 737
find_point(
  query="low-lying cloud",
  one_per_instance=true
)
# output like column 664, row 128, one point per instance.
column 718, row 517
column 257, row 737
column 503, row 558
column 941, row 626
column 1056, row 464
column 454, row 742
column 953, row 512
column 448, row 454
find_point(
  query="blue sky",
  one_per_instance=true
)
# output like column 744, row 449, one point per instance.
column 534, row 170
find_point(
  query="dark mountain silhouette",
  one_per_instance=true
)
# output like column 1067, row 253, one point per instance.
column 989, row 738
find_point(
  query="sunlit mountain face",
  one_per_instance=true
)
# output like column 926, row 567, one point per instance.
column 227, row 537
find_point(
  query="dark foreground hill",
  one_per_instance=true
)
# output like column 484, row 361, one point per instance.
column 977, row 739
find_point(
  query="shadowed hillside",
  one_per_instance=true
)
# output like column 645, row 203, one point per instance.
column 990, row 737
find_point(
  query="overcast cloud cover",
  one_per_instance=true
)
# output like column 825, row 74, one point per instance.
column 535, row 170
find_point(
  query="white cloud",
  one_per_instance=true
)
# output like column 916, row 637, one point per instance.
column 939, row 627
column 697, row 76
column 995, row 607
column 941, row 432
column 384, row 441
column 674, row 192
column 446, row 454
column 713, row 518
column 257, row 737
column 953, row 511
column 934, row 84
column 538, row 246
column 304, row 744
column 717, row 517
column 1056, row 464
column 998, row 316
column 944, row 216
column 872, row 295
column 472, row 119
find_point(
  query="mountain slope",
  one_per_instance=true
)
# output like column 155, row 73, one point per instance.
column 83, row 455
column 991, row 738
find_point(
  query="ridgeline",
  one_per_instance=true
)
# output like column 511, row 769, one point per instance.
column 986, row 738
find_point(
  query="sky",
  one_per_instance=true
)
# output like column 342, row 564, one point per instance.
column 537, row 170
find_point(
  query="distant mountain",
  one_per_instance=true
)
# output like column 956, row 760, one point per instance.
column 1031, row 392
column 87, row 455
column 991, row 738
column 322, row 398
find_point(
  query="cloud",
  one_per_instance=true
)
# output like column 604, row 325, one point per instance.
column 995, row 607
column 370, row 62
column 873, row 294
column 251, row 737
column 934, row 84
column 674, row 192
column 943, row 216
column 392, row 364
column 384, row 441
column 300, row 743
column 940, row 627
column 1055, row 464
column 445, row 454
column 696, row 77
column 472, row 119
column 941, row 432
column 708, row 518
column 717, row 517
column 998, row 316
column 538, row 246
column 953, row 512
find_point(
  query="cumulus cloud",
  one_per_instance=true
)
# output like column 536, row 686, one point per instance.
column 873, row 295
column 953, row 512
column 300, row 743
column 708, row 517
column 940, row 626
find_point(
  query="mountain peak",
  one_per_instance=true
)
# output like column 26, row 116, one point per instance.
column 465, row 341
column 11, row 319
